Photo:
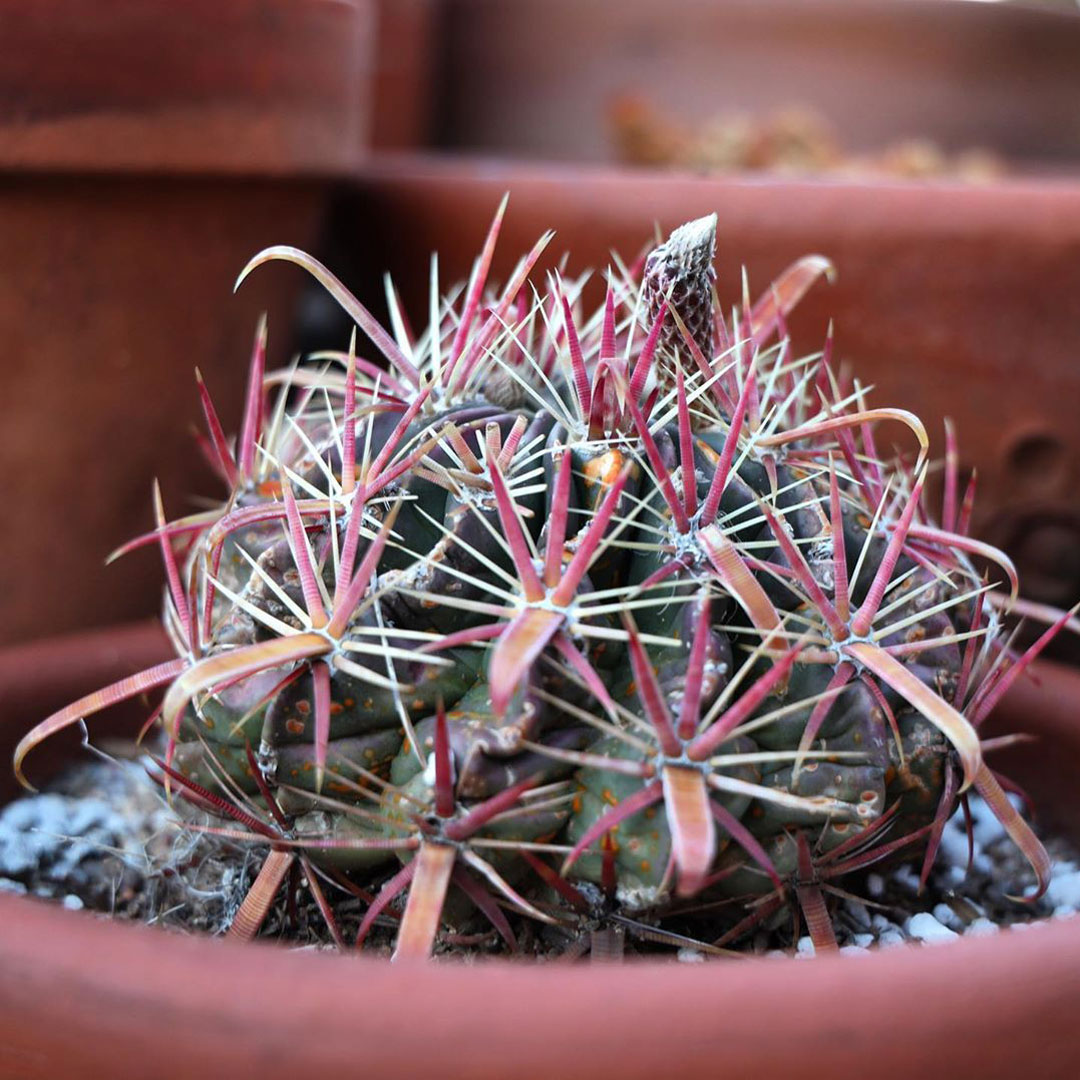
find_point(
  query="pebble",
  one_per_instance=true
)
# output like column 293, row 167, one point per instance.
column 924, row 927
column 805, row 946
column 890, row 939
column 859, row 914
column 1064, row 890
column 875, row 885
column 905, row 876
column 957, row 874
column 982, row 927
column 947, row 917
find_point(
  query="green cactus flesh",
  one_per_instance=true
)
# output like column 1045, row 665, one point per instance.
column 631, row 596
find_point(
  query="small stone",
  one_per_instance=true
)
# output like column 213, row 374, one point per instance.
column 982, row 928
column 875, row 885
column 924, row 927
column 863, row 941
column 1064, row 890
column 854, row 950
column 947, row 917
column 805, row 947
column 890, row 939
column 906, row 878
column 687, row 955
column 859, row 915
column 72, row 902
column 954, row 846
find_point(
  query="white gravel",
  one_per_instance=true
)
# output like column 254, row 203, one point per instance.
column 957, row 901
column 924, row 927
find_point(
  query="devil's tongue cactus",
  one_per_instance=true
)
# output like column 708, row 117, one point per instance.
column 630, row 597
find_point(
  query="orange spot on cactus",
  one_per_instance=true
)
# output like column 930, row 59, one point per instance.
column 303, row 708
column 710, row 454
column 609, row 797
column 336, row 708
column 645, row 865
column 418, row 703
column 603, row 469
column 576, row 804
column 294, row 726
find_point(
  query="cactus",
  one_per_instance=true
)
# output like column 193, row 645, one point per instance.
column 616, row 617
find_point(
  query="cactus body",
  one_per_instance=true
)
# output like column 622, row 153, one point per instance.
column 640, row 603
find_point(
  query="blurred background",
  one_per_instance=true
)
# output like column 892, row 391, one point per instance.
column 930, row 148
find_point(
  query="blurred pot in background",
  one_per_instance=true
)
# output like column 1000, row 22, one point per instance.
column 147, row 151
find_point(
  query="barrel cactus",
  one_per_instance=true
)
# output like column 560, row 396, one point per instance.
column 619, row 614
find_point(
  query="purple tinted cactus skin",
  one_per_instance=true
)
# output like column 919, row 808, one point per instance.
column 642, row 601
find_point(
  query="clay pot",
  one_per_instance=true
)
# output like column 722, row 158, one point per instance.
column 146, row 153
column 538, row 78
column 84, row 997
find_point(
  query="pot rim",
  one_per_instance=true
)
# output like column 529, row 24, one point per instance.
column 121, row 992
column 275, row 88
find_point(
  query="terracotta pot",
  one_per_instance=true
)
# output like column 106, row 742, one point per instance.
column 81, row 996
column 949, row 300
column 146, row 154
column 537, row 78
column 405, row 69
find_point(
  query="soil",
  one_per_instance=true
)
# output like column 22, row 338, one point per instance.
column 102, row 837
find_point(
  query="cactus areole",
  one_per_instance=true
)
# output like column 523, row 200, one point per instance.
column 582, row 615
